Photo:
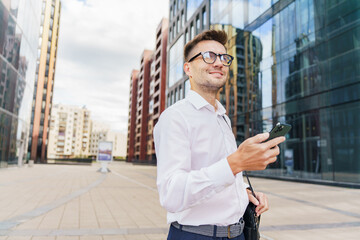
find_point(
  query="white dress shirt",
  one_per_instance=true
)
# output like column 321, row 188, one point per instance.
column 195, row 182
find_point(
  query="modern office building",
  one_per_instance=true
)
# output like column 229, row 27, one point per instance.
column 296, row 61
column 157, row 86
column 19, row 31
column 240, row 93
column 44, row 80
column 69, row 134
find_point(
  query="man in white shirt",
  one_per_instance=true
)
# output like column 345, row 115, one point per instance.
column 199, row 166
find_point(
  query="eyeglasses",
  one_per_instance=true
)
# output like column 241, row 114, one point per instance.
column 210, row 57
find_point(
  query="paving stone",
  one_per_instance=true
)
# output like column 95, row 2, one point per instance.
column 67, row 238
column 115, row 237
column 43, row 238
column 61, row 202
column 19, row 238
column 91, row 238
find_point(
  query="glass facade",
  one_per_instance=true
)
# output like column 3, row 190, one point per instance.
column 176, row 61
column 227, row 12
column 19, row 29
column 188, row 19
column 191, row 7
column 296, row 61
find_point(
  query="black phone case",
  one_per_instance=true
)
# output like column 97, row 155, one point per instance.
column 279, row 130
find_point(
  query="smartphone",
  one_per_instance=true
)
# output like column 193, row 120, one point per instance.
column 280, row 129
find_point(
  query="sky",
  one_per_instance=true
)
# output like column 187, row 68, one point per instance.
column 100, row 43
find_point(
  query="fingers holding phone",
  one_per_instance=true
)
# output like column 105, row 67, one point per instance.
column 280, row 129
column 274, row 142
column 276, row 135
column 257, row 152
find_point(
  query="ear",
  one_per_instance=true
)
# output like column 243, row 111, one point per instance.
column 187, row 69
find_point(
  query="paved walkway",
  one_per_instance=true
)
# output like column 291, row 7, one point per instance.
column 48, row 202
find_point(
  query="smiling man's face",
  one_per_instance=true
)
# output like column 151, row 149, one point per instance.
column 204, row 76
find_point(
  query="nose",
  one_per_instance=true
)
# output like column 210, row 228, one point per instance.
column 218, row 61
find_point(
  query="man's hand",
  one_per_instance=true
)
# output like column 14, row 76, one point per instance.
column 254, row 153
column 261, row 202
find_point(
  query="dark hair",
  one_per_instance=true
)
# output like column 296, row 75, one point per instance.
column 216, row 35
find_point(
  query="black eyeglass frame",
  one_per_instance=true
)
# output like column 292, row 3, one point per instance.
column 216, row 54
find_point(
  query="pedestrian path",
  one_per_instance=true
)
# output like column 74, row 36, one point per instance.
column 66, row 202
column 77, row 202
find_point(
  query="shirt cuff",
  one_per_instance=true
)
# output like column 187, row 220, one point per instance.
column 220, row 172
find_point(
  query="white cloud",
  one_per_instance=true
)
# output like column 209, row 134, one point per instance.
column 100, row 42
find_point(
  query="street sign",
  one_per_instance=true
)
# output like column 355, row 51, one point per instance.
column 105, row 152
column 104, row 155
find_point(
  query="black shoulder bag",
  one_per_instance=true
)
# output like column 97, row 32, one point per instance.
column 252, row 222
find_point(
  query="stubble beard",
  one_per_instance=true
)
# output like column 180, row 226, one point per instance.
column 210, row 88
column 212, row 85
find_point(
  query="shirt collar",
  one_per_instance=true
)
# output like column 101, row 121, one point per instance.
column 199, row 102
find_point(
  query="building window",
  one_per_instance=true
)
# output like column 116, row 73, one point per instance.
column 187, row 87
column 174, row 8
column 192, row 31
column 180, row 92
column 176, row 61
column 191, row 8
column 204, row 18
column 174, row 31
column 178, row 25
column 151, row 105
column 198, row 25
column 182, row 19
column 170, row 35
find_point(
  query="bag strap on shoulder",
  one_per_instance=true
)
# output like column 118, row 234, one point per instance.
column 247, row 177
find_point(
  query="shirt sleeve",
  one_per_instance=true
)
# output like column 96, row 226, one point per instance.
column 179, row 186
